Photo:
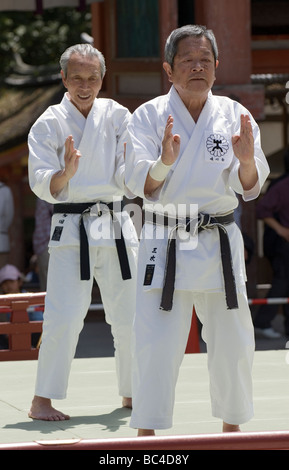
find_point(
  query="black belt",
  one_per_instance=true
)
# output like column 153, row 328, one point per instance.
column 82, row 209
column 203, row 222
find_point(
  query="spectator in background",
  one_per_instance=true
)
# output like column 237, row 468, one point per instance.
column 6, row 217
column 41, row 236
column 274, row 210
column 11, row 282
column 32, row 277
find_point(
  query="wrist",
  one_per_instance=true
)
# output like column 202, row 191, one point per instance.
column 159, row 170
column 63, row 175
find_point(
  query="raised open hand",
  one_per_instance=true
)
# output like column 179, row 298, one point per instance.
column 243, row 144
column 71, row 157
column 71, row 160
column 171, row 143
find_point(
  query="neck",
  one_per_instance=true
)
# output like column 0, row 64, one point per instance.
column 194, row 104
column 195, row 107
column 84, row 111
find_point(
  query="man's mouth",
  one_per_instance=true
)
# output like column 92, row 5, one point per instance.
column 84, row 97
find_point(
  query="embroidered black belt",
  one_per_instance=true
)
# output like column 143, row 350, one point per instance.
column 203, row 222
column 85, row 208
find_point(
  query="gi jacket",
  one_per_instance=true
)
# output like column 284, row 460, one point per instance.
column 100, row 176
column 203, row 179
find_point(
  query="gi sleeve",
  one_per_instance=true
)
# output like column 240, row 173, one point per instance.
column 44, row 159
column 143, row 149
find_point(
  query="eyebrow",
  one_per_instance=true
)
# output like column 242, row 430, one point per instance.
column 191, row 51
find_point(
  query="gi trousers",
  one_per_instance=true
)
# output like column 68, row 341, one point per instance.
column 159, row 343
column 66, row 305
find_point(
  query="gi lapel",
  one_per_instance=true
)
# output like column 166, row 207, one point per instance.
column 90, row 131
column 192, row 134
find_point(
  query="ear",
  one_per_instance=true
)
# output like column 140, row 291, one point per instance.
column 168, row 69
column 63, row 78
column 217, row 64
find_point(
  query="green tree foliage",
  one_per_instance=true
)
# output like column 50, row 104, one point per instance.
column 40, row 39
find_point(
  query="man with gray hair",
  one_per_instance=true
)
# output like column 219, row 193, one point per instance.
column 76, row 162
column 192, row 148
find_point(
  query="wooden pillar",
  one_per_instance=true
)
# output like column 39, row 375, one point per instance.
column 230, row 21
column 168, row 21
column 97, row 26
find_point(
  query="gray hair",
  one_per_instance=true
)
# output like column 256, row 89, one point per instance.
column 198, row 31
column 83, row 50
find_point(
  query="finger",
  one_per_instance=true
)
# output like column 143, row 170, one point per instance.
column 235, row 139
column 170, row 121
column 242, row 122
column 69, row 145
column 75, row 155
column 246, row 126
column 169, row 127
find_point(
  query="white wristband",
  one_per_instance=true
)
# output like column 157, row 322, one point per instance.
column 159, row 171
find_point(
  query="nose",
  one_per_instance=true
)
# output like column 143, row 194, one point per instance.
column 84, row 83
column 197, row 66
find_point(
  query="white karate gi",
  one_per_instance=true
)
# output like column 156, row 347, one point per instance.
column 100, row 177
column 205, row 174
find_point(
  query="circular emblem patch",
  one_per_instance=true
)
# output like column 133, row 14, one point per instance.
column 217, row 146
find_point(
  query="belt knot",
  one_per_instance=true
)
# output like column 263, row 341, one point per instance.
column 203, row 222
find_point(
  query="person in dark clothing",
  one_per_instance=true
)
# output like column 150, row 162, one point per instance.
column 273, row 209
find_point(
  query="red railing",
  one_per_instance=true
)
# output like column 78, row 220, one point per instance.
column 269, row 301
column 19, row 329
column 276, row 440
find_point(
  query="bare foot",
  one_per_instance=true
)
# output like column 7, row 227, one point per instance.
column 145, row 432
column 42, row 409
column 127, row 402
column 231, row 427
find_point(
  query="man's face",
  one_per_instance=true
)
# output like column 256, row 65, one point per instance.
column 83, row 81
column 193, row 71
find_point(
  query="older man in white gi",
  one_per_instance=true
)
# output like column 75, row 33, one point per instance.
column 76, row 162
column 192, row 149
